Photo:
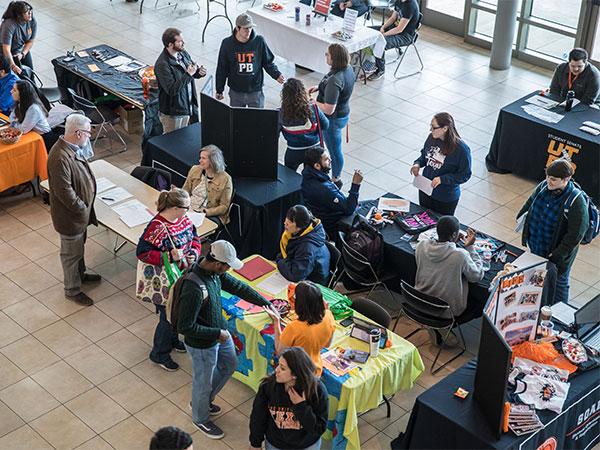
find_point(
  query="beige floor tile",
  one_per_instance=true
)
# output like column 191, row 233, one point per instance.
column 24, row 438
column 28, row 399
column 9, row 421
column 406, row 399
column 129, row 434
column 51, row 264
column 130, row 391
column 477, row 203
column 33, row 245
column 97, row 410
column 11, row 293
column 426, row 379
column 202, row 441
column 93, row 323
column 230, row 423
column 54, row 299
column 9, row 373
column 159, row 379
column 11, row 227
column 62, row 381
column 96, row 255
column 365, row 430
column 153, row 416
column 31, row 314
column 95, row 364
column 62, row 338
column 122, row 308
column 380, row 441
column 10, row 331
column 62, row 429
column 10, row 259
column 378, row 416
column 117, row 272
column 144, row 329
column 125, row 348
column 29, row 354
column 50, row 233
column 32, row 278
column 585, row 272
column 96, row 443
column 99, row 291
column 399, row 426
column 235, row 393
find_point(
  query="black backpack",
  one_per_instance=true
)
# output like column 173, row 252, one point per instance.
column 175, row 294
column 366, row 240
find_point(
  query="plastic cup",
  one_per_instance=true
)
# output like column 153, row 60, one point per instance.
column 547, row 327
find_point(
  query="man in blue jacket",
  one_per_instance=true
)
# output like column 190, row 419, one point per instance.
column 7, row 81
column 242, row 58
column 323, row 198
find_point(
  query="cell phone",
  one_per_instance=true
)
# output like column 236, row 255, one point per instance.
column 68, row 59
column 347, row 322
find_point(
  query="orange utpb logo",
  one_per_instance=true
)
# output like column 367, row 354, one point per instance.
column 558, row 149
column 549, row 444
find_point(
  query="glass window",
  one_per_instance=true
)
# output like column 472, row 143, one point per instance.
column 455, row 8
column 484, row 23
column 562, row 12
column 595, row 55
column 548, row 42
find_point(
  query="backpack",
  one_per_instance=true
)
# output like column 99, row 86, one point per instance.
column 594, row 225
column 175, row 295
column 366, row 240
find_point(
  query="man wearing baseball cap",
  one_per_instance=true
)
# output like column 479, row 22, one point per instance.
column 242, row 58
column 207, row 340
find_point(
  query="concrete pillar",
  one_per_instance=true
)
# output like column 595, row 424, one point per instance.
column 504, row 31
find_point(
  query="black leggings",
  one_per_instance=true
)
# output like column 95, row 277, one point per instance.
column 445, row 208
column 293, row 158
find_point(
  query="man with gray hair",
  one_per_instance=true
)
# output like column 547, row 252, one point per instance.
column 72, row 193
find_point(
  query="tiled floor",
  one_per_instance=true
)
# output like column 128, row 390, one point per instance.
column 79, row 377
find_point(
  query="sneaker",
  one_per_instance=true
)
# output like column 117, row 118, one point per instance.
column 169, row 366
column 91, row 278
column 81, row 299
column 376, row 76
column 210, row 430
column 214, row 409
column 179, row 347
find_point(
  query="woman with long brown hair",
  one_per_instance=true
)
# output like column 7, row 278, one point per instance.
column 300, row 121
column 447, row 163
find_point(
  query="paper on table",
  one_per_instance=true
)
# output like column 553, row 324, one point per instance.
column 93, row 67
column 541, row 101
column 243, row 304
column 273, row 284
column 563, row 312
column 133, row 213
column 527, row 259
column 102, row 184
column 393, row 204
column 118, row 61
column 114, row 196
column 196, row 218
column 82, row 54
column 423, row 184
column 133, row 220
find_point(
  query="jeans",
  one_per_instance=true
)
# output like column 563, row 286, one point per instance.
column 165, row 338
column 315, row 446
column 395, row 41
column 561, row 293
column 332, row 136
column 243, row 99
column 212, row 369
column 72, row 261
column 445, row 208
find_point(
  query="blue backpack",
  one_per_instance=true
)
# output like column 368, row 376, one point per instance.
column 594, row 225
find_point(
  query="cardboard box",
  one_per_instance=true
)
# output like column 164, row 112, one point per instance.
column 132, row 119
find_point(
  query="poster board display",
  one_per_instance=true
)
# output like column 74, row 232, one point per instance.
column 322, row 8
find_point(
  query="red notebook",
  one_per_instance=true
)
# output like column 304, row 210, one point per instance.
column 255, row 268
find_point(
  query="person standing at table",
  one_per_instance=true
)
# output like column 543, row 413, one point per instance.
column 17, row 32
column 207, row 340
column 576, row 75
column 242, row 58
column 447, row 163
column 7, row 82
column 398, row 31
column 175, row 73
column 547, row 231
column 72, row 194
column 339, row 7
column 173, row 233
column 291, row 407
column 323, row 198
column 445, row 271
column 333, row 99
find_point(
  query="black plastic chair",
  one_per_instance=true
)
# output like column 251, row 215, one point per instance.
column 334, row 263
column 52, row 95
column 152, row 177
column 431, row 313
column 99, row 115
column 412, row 44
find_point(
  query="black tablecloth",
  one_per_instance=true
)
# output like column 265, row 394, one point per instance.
column 441, row 420
column 525, row 145
column 263, row 204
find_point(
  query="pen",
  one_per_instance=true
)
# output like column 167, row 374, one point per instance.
column 108, row 198
column 511, row 253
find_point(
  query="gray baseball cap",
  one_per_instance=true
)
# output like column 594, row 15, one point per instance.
column 244, row 21
column 224, row 252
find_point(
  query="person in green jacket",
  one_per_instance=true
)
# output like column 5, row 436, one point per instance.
column 547, row 231
column 204, row 328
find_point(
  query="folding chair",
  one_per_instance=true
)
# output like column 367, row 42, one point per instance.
column 334, row 263
column 412, row 44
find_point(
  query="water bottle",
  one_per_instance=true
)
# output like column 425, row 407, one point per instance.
column 569, row 101
column 375, row 335
column 487, row 259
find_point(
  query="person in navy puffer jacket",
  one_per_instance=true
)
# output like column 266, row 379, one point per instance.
column 304, row 255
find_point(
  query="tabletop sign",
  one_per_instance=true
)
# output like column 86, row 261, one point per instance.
column 322, row 7
column 350, row 17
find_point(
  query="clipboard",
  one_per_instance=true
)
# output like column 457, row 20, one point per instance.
column 255, row 268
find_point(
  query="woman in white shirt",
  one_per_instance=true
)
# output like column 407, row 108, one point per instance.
column 28, row 114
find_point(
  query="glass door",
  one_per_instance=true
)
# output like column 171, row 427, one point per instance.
column 445, row 15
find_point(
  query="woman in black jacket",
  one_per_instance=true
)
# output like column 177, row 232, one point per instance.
column 291, row 407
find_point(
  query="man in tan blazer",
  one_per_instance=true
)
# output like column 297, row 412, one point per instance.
column 72, row 193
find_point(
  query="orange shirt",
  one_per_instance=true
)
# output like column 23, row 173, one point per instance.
column 312, row 338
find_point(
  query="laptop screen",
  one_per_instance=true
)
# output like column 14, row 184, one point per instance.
column 588, row 316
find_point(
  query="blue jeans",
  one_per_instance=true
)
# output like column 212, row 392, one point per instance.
column 332, row 136
column 561, row 294
column 212, row 369
column 315, row 446
column 165, row 338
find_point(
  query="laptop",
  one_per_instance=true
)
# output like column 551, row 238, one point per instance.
column 587, row 323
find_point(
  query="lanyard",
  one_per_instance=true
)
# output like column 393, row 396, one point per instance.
column 573, row 80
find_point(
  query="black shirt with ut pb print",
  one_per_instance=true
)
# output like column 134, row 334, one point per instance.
column 242, row 64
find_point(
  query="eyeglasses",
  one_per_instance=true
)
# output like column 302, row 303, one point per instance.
column 89, row 133
column 187, row 208
column 434, row 128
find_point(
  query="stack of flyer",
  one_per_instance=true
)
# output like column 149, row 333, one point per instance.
column 333, row 362
column 522, row 419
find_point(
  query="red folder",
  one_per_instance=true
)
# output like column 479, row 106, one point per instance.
column 255, row 268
